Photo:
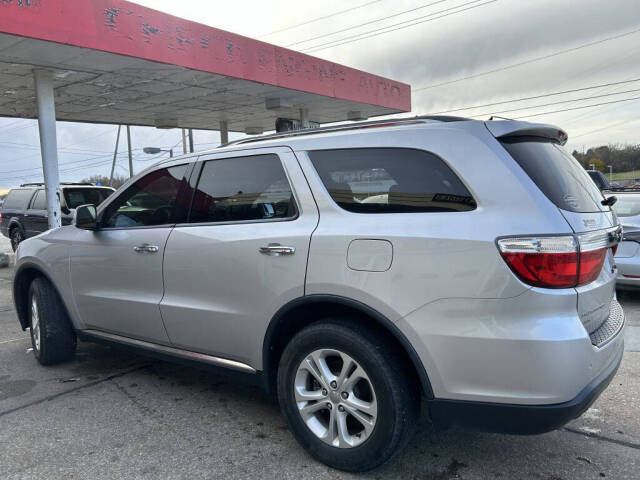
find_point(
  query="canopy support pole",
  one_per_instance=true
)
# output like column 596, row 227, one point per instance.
column 130, row 156
column 304, row 117
column 224, row 132
column 115, row 156
column 48, row 143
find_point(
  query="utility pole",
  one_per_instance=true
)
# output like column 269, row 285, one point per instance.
column 184, row 141
column 191, row 140
column 130, row 156
column 115, row 155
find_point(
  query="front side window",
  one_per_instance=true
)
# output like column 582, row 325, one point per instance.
column 390, row 180
column 242, row 189
column 158, row 198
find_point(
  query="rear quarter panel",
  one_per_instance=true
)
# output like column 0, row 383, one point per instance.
column 435, row 255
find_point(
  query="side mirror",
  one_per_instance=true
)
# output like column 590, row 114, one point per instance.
column 86, row 217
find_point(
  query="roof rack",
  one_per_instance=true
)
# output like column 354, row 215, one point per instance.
column 351, row 126
column 41, row 184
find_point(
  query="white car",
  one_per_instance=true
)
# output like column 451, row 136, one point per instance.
column 627, row 257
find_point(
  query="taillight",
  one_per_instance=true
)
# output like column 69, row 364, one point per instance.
column 549, row 262
column 556, row 261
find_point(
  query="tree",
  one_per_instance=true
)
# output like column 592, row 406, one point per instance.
column 598, row 165
column 118, row 181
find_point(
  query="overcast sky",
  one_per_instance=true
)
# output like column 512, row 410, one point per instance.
column 502, row 37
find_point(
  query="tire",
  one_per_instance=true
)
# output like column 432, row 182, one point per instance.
column 52, row 336
column 16, row 237
column 393, row 397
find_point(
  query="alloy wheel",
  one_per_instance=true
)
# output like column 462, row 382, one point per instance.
column 335, row 398
column 16, row 238
column 35, row 323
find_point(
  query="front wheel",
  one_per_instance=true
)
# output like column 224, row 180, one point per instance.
column 346, row 395
column 16, row 238
column 52, row 336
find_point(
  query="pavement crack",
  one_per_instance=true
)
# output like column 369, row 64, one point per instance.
column 602, row 438
column 71, row 390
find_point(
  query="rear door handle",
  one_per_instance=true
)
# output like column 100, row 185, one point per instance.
column 275, row 250
column 146, row 248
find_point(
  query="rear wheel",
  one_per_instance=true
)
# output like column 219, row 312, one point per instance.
column 345, row 395
column 16, row 237
column 52, row 336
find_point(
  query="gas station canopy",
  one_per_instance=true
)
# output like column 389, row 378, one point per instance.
column 111, row 61
column 120, row 63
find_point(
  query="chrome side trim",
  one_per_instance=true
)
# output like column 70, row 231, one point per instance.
column 175, row 352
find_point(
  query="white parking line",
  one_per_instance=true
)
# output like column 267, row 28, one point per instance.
column 14, row 340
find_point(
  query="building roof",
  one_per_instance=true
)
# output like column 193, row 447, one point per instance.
column 119, row 62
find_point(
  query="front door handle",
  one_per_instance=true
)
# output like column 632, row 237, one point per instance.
column 275, row 250
column 146, row 248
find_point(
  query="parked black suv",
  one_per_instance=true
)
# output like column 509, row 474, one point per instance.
column 24, row 212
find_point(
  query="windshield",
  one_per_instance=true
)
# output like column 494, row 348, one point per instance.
column 554, row 170
column 628, row 205
column 74, row 197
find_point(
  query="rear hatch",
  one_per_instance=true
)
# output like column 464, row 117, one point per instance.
column 539, row 151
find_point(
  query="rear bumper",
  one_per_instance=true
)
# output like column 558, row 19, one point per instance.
column 520, row 419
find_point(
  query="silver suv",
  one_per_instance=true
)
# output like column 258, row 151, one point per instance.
column 358, row 271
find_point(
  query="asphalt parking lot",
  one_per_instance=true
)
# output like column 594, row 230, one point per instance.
column 111, row 414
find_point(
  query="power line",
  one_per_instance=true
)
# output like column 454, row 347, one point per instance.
column 525, row 62
column 399, row 26
column 617, row 124
column 76, row 151
column 574, row 90
column 73, row 162
column 558, row 103
column 578, row 108
column 313, row 20
column 365, row 23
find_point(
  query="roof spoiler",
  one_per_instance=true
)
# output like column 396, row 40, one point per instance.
column 513, row 128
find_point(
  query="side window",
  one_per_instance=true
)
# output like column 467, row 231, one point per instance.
column 158, row 198
column 39, row 201
column 390, row 180
column 242, row 188
column 18, row 199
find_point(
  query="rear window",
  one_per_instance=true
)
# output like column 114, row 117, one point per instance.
column 627, row 205
column 74, row 197
column 560, row 177
column 390, row 180
column 17, row 199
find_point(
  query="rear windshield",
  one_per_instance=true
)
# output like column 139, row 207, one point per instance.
column 560, row 177
column 17, row 199
column 627, row 205
column 74, row 197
